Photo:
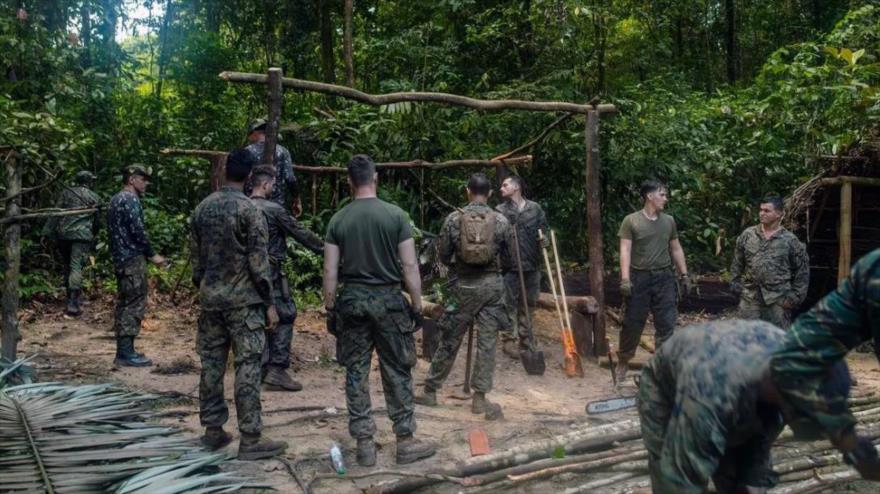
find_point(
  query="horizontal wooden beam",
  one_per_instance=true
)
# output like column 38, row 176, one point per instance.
column 866, row 181
column 414, row 96
column 515, row 161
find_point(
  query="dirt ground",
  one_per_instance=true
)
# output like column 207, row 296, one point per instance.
column 82, row 350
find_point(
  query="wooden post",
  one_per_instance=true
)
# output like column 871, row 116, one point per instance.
column 218, row 171
column 12, row 247
column 845, row 255
column 314, row 194
column 274, row 101
column 594, row 229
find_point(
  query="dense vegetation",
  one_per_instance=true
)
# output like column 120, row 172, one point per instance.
column 724, row 99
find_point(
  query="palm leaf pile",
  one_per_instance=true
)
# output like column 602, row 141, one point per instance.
column 95, row 438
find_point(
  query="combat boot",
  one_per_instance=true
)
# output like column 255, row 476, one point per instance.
column 366, row 452
column 215, row 438
column 428, row 398
column 278, row 379
column 410, row 449
column 480, row 404
column 511, row 348
column 251, row 447
column 73, row 302
column 126, row 356
column 620, row 369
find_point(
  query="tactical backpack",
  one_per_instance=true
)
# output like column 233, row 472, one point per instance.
column 476, row 247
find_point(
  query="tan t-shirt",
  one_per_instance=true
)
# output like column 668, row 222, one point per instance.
column 650, row 240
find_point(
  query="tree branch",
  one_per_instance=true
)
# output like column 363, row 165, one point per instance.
column 540, row 137
column 46, row 213
column 387, row 99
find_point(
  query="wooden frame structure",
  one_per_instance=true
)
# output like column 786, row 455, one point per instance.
column 592, row 111
column 844, row 260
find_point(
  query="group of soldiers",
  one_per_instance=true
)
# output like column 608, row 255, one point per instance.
column 711, row 400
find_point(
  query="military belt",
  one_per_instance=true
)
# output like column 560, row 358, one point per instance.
column 653, row 271
column 368, row 285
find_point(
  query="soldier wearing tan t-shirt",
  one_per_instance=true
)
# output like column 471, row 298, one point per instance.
column 649, row 248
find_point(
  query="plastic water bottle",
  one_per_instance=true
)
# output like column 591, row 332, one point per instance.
column 336, row 458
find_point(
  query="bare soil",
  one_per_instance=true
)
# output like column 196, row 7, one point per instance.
column 82, row 350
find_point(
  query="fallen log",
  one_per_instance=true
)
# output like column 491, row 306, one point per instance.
column 817, row 484
column 583, row 467
column 591, row 486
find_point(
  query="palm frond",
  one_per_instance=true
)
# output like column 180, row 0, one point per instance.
column 94, row 438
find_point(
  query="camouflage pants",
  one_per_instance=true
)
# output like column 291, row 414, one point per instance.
column 522, row 322
column 376, row 317
column 752, row 306
column 75, row 255
column 481, row 301
column 242, row 330
column 131, row 296
column 747, row 463
column 277, row 350
column 654, row 291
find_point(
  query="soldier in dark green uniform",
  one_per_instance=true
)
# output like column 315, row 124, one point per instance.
column 708, row 409
column 276, row 356
column 770, row 270
column 130, row 249
column 649, row 247
column 286, row 190
column 818, row 340
column 527, row 217
column 231, row 268
column 479, row 240
column 369, row 249
column 75, row 235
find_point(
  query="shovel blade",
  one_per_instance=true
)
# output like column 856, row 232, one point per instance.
column 533, row 362
column 573, row 366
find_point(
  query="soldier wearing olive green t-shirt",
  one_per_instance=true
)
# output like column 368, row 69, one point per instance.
column 369, row 249
column 649, row 247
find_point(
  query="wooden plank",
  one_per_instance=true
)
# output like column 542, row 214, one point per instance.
column 865, row 181
column 845, row 229
column 594, row 229
column 12, row 252
column 274, row 100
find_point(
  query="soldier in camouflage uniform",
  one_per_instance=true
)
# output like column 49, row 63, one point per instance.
column 75, row 235
column 286, row 189
column 130, row 249
column 708, row 409
column 370, row 249
column 276, row 356
column 231, row 269
column 770, row 269
column 479, row 297
column 818, row 340
column 527, row 217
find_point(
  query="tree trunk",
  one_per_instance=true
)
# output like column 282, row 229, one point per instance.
column 347, row 48
column 730, row 41
column 275, row 101
column 163, row 62
column 594, row 229
column 12, row 246
column 327, row 61
column 107, row 31
column 85, row 33
column 269, row 15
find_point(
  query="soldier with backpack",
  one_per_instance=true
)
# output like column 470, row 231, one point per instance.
column 475, row 242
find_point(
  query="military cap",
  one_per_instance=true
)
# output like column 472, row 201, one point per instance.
column 84, row 177
column 257, row 124
column 136, row 169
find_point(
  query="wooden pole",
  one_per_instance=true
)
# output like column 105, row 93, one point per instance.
column 594, row 229
column 275, row 98
column 12, row 251
column 218, row 171
column 845, row 256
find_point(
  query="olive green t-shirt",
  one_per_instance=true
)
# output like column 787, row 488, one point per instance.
column 650, row 240
column 367, row 232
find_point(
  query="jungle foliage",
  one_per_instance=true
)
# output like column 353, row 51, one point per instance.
column 726, row 100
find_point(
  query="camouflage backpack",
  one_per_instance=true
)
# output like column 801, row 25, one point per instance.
column 476, row 247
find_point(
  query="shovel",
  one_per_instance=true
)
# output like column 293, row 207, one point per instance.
column 573, row 366
column 532, row 360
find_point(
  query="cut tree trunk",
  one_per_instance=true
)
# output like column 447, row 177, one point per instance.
column 12, row 252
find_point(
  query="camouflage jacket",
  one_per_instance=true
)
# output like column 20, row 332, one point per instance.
column 80, row 227
column 282, row 225
column 776, row 268
column 128, row 234
column 450, row 235
column 285, row 180
column 527, row 223
column 822, row 336
column 708, row 374
column 228, row 252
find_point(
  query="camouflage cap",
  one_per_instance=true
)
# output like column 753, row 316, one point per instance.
column 84, row 177
column 136, row 169
column 256, row 124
